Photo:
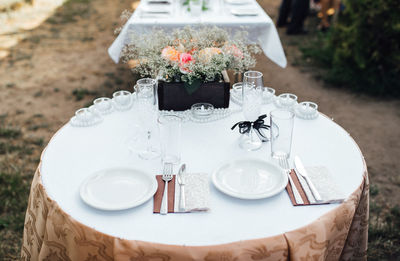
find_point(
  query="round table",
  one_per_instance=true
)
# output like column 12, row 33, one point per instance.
column 231, row 224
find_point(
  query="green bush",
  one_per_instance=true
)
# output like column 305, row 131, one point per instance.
column 362, row 50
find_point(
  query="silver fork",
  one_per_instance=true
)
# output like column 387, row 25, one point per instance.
column 167, row 176
column 284, row 163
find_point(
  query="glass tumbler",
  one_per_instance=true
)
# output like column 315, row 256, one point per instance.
column 170, row 129
column 147, row 111
column 282, row 122
column 148, row 87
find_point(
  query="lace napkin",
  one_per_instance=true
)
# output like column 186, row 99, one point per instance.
column 323, row 182
column 197, row 193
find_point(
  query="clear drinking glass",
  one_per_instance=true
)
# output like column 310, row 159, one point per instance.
column 252, row 78
column 281, row 133
column 170, row 129
column 147, row 111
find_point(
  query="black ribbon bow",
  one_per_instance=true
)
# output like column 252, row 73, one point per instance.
column 258, row 125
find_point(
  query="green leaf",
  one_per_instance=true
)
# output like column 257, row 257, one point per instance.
column 192, row 87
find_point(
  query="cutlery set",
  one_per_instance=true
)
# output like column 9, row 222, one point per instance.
column 167, row 177
column 301, row 173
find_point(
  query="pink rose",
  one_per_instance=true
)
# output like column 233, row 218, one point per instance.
column 186, row 58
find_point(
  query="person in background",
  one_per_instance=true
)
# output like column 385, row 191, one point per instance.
column 328, row 7
column 298, row 11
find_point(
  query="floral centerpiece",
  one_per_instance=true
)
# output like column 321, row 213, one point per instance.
column 192, row 57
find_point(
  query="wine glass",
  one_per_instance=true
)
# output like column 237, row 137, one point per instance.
column 146, row 109
column 252, row 93
column 252, row 78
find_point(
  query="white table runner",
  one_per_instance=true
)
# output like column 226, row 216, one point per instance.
column 261, row 28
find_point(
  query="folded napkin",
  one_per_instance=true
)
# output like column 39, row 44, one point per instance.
column 323, row 182
column 197, row 193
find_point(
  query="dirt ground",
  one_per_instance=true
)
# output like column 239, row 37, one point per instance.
column 63, row 64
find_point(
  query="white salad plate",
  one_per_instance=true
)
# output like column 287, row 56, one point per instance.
column 117, row 188
column 250, row 179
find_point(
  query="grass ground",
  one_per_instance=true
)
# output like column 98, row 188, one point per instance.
column 62, row 65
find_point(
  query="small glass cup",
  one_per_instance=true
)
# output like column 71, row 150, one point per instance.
column 268, row 94
column 84, row 115
column 103, row 105
column 237, row 90
column 287, row 100
column 308, row 108
column 122, row 100
column 202, row 110
column 282, row 122
column 170, row 129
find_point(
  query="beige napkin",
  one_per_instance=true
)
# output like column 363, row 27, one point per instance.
column 197, row 193
column 323, row 182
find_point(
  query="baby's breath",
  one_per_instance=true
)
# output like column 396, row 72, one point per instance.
column 209, row 50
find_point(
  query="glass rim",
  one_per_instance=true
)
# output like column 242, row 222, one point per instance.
column 258, row 74
column 310, row 103
column 151, row 81
column 121, row 92
column 289, row 95
column 101, row 99
column 162, row 119
column 291, row 114
column 237, row 84
column 82, row 110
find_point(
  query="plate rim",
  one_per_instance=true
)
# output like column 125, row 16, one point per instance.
column 154, row 187
column 261, row 196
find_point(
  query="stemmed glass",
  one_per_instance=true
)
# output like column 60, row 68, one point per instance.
column 147, row 111
column 252, row 78
column 252, row 92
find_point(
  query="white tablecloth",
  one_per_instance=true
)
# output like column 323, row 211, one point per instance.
column 75, row 153
column 261, row 28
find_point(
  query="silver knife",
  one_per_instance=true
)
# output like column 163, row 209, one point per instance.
column 300, row 167
column 181, row 182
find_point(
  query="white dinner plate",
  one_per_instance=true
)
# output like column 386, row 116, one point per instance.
column 118, row 188
column 250, row 179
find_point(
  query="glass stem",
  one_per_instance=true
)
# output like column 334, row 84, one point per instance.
column 251, row 133
column 148, row 140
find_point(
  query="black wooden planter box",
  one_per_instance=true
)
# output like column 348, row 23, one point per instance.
column 173, row 95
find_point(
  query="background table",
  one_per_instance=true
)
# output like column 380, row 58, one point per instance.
column 59, row 223
column 261, row 28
